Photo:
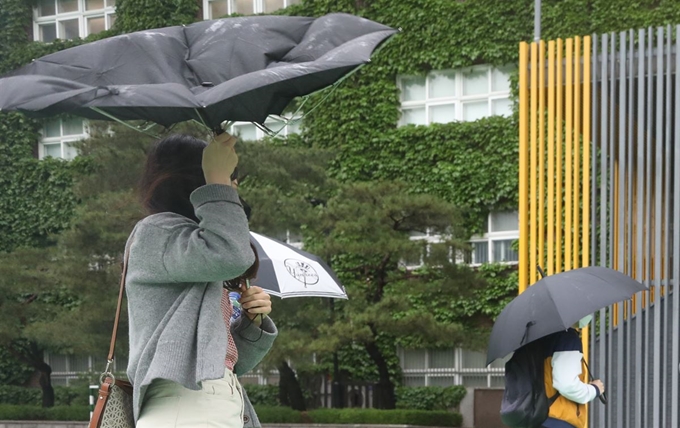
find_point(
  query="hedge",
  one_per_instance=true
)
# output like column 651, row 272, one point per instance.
column 386, row 417
column 63, row 395
column 420, row 398
column 278, row 415
column 267, row 414
column 263, row 395
column 430, row 397
column 36, row 413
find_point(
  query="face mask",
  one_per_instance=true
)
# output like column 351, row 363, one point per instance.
column 585, row 321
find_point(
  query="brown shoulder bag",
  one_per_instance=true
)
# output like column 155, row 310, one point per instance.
column 113, row 408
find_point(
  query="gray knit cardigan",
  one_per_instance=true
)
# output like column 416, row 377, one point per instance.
column 174, row 289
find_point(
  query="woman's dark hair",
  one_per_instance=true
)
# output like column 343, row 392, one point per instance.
column 173, row 170
column 251, row 273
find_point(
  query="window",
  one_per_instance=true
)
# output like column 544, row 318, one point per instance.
column 291, row 238
column 70, row 19
column 57, row 136
column 430, row 242
column 495, row 245
column 250, row 132
column 448, row 367
column 69, row 368
column 213, row 9
column 455, row 95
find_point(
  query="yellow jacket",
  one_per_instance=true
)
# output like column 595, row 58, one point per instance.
column 565, row 373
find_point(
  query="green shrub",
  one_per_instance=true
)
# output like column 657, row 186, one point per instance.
column 71, row 396
column 263, row 395
column 63, row 395
column 430, row 397
column 19, row 395
column 277, row 415
column 267, row 415
column 386, row 417
column 69, row 413
column 18, row 413
column 37, row 413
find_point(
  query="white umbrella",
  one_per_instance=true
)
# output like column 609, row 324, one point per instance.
column 286, row 271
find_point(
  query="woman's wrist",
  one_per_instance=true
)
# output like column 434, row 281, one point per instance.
column 256, row 319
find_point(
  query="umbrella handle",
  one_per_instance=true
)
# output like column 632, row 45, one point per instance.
column 540, row 271
column 603, row 396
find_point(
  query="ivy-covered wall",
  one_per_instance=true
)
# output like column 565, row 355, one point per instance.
column 471, row 164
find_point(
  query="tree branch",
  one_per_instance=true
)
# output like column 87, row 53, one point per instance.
column 381, row 278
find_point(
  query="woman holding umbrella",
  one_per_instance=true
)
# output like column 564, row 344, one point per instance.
column 185, row 352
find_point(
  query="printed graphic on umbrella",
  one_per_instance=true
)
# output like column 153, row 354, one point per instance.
column 555, row 303
column 233, row 69
column 286, row 271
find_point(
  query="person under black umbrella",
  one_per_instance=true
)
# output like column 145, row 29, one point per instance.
column 555, row 303
column 546, row 382
column 565, row 378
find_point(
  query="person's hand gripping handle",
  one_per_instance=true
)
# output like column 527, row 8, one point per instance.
column 220, row 160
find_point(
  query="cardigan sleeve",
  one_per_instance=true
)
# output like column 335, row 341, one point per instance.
column 169, row 248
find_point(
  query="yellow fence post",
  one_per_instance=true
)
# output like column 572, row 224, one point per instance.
column 551, row 158
column 533, row 173
column 523, row 165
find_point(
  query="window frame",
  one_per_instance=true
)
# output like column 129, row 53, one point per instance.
column 62, row 140
column 258, row 7
column 261, row 134
column 459, row 99
column 81, row 15
column 491, row 237
column 459, row 372
column 431, row 239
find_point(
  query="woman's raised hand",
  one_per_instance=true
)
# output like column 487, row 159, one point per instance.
column 220, row 159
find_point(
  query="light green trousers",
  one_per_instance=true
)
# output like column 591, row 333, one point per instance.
column 219, row 404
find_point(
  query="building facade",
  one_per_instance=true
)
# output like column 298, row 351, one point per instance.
column 441, row 96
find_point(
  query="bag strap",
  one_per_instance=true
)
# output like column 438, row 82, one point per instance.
column 102, row 399
column 121, row 293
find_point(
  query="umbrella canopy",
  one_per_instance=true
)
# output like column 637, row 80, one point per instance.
column 286, row 271
column 236, row 69
column 556, row 303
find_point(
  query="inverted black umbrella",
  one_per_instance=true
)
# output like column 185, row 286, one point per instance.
column 556, row 303
column 233, row 69
column 286, row 271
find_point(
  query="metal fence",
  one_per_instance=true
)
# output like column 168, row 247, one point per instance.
column 599, row 186
column 636, row 190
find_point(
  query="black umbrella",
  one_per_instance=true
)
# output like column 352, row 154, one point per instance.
column 234, row 69
column 556, row 303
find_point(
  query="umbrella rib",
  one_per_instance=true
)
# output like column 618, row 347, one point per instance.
column 201, row 117
column 114, row 118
